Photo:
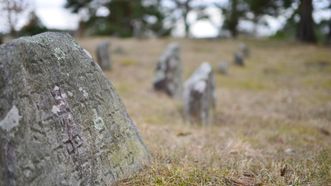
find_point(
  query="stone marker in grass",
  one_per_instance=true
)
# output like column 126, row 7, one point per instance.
column 244, row 49
column 199, row 96
column 223, row 67
column 61, row 121
column 239, row 59
column 168, row 73
column 103, row 56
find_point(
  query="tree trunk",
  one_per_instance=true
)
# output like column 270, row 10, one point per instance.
column 233, row 23
column 187, row 9
column 187, row 27
column 305, row 29
column 329, row 35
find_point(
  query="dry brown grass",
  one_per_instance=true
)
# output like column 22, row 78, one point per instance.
column 273, row 117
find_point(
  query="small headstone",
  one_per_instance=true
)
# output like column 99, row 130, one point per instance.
column 61, row 121
column 223, row 67
column 199, row 96
column 103, row 56
column 168, row 73
column 244, row 49
column 239, row 59
column 119, row 50
column 137, row 29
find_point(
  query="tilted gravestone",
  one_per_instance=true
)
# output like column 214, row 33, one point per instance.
column 168, row 75
column 61, row 121
column 239, row 59
column 199, row 96
column 103, row 56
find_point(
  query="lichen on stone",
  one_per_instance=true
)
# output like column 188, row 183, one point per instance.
column 11, row 120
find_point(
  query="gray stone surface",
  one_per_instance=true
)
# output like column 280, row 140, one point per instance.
column 61, row 121
column 239, row 59
column 244, row 49
column 103, row 56
column 223, row 67
column 168, row 73
column 119, row 50
column 138, row 29
column 199, row 96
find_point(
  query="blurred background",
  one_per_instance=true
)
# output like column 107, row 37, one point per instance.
column 305, row 20
column 272, row 122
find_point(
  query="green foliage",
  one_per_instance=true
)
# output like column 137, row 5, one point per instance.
column 129, row 18
column 252, row 10
column 77, row 5
column 125, row 19
column 34, row 26
column 288, row 31
column 232, row 14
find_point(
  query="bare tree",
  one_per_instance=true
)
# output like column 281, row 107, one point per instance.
column 12, row 10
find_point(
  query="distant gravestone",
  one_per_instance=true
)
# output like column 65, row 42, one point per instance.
column 199, row 95
column 137, row 29
column 239, row 59
column 244, row 49
column 61, row 121
column 119, row 50
column 223, row 67
column 103, row 57
column 168, row 75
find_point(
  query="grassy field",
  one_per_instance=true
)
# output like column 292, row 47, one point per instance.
column 273, row 116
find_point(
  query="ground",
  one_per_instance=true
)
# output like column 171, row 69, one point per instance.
column 272, row 123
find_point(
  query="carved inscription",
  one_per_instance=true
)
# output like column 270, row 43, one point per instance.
column 61, row 109
column 74, row 132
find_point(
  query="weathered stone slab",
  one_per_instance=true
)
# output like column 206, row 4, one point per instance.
column 168, row 75
column 61, row 121
column 244, row 49
column 199, row 96
column 239, row 59
column 138, row 29
column 103, row 56
column 119, row 50
column 223, row 67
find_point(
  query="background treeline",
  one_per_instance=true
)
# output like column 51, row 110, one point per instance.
column 158, row 18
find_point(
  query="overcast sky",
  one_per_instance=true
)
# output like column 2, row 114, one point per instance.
column 53, row 14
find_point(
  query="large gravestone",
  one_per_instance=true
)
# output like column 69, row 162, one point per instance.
column 103, row 57
column 199, row 96
column 61, row 121
column 168, row 75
